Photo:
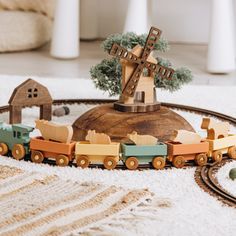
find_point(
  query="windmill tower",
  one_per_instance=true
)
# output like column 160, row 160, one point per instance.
column 138, row 70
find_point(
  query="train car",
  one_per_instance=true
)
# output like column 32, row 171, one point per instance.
column 15, row 138
column 87, row 153
column 63, row 153
column 179, row 154
column 133, row 154
column 218, row 147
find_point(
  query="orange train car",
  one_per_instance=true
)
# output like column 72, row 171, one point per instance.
column 63, row 153
column 179, row 154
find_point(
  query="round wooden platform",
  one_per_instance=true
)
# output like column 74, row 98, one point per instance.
column 106, row 119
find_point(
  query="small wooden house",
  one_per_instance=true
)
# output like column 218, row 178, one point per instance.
column 30, row 93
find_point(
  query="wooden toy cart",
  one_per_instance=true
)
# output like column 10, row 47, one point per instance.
column 218, row 147
column 107, row 154
column 132, row 155
column 63, row 153
column 179, row 153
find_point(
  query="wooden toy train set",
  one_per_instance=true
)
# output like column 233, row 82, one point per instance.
column 157, row 135
column 56, row 143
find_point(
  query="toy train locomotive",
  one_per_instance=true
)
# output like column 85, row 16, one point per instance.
column 56, row 143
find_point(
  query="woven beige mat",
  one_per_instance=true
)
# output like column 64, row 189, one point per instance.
column 33, row 203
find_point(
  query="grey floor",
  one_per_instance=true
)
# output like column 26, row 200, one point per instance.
column 39, row 63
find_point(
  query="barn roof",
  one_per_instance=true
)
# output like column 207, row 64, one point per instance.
column 30, row 93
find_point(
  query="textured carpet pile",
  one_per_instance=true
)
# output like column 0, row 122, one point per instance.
column 34, row 203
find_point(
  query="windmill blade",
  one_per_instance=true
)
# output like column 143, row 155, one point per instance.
column 123, row 53
column 153, row 37
column 132, row 83
column 162, row 71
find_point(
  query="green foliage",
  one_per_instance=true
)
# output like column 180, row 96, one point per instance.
column 107, row 74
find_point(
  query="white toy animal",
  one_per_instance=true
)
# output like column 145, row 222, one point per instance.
column 97, row 138
column 215, row 129
column 142, row 139
column 55, row 132
column 186, row 137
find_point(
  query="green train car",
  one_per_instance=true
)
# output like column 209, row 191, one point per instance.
column 15, row 138
column 133, row 154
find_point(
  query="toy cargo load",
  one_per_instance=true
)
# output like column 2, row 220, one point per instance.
column 215, row 129
column 97, row 138
column 54, row 132
column 186, row 137
column 142, row 139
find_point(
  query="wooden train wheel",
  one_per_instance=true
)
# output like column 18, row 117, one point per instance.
column 3, row 149
column 110, row 163
column 232, row 152
column 178, row 161
column 158, row 163
column 62, row 160
column 131, row 163
column 217, row 156
column 82, row 161
column 37, row 156
column 201, row 159
column 18, row 151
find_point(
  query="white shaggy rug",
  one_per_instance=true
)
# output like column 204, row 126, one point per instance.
column 166, row 202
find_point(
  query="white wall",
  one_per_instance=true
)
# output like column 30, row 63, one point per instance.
column 180, row 20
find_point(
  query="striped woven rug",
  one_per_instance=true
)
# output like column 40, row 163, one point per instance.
column 34, row 203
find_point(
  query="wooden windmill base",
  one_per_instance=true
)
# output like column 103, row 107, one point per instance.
column 117, row 125
column 138, row 107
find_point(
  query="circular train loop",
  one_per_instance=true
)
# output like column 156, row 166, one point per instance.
column 206, row 179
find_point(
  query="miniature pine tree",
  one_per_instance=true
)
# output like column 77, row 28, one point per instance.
column 107, row 74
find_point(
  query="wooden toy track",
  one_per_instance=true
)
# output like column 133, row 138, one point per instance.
column 205, row 178
column 197, row 110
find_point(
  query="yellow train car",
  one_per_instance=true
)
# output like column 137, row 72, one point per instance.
column 106, row 154
column 221, row 146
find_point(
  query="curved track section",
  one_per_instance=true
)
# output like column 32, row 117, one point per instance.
column 169, row 105
column 205, row 178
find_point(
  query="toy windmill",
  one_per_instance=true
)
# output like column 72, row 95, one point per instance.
column 138, row 70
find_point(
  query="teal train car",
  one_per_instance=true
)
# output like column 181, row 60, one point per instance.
column 15, row 138
column 133, row 154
